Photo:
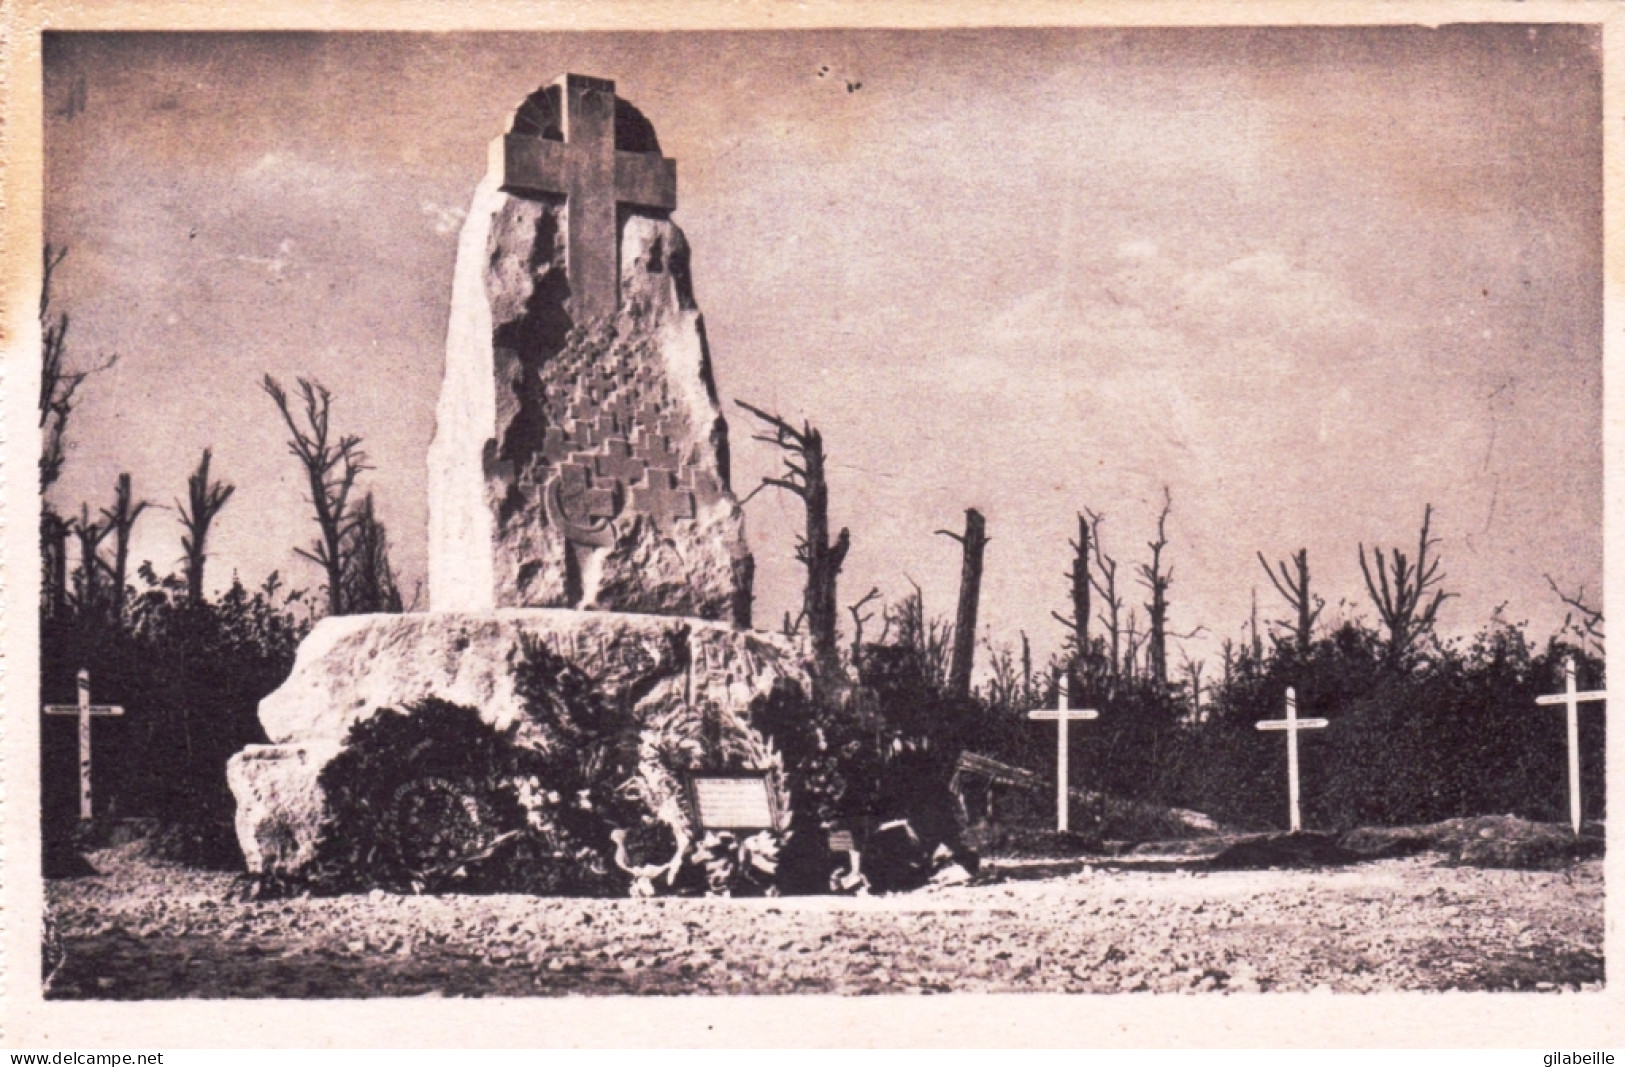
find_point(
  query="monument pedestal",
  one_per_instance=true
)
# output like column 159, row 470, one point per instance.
column 578, row 480
column 694, row 677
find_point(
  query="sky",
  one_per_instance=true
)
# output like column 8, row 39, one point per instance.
column 1308, row 280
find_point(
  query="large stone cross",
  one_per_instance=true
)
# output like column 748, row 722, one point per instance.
column 1061, row 715
column 84, row 709
column 1572, row 697
column 1292, row 724
column 595, row 178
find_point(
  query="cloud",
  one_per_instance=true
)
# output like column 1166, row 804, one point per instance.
column 444, row 219
column 274, row 265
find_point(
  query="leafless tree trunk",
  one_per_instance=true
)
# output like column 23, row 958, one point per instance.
column 860, row 618
column 1589, row 626
column 974, row 542
column 930, row 639
column 58, row 384
column 1156, row 581
column 54, row 531
column 1252, row 625
column 1026, row 668
column 1401, row 591
column 1106, row 585
column 331, row 467
column 120, row 521
column 1193, row 676
column 1131, row 646
column 1296, row 593
column 805, row 477
column 369, row 580
column 88, row 576
column 1078, row 623
column 204, row 499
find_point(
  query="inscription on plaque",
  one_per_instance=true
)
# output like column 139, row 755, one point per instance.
column 735, row 803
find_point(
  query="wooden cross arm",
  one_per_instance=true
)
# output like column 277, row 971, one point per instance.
column 1564, row 698
column 1050, row 714
column 1293, row 724
column 92, row 709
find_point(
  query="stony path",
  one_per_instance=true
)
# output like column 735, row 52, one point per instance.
column 139, row 931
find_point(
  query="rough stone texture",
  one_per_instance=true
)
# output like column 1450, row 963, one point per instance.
column 352, row 666
column 579, row 464
column 139, row 930
column 279, row 808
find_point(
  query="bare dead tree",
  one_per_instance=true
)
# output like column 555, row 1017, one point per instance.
column 804, row 476
column 1131, row 646
column 860, row 618
column 973, row 541
column 331, row 468
column 1026, row 668
column 1080, row 579
column 1296, row 592
column 1003, row 686
column 120, row 522
column 54, row 534
column 1255, row 640
column 369, row 580
column 1104, row 582
column 204, row 499
column 1156, row 581
column 929, row 639
column 58, row 383
column 58, row 386
column 88, row 575
column 1193, row 678
column 1400, row 591
column 1589, row 625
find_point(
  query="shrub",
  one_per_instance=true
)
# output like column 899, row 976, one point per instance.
column 438, row 799
column 190, row 677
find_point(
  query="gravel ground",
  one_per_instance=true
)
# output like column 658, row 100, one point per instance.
column 138, row 930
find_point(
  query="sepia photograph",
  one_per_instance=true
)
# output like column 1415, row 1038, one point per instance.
column 836, row 511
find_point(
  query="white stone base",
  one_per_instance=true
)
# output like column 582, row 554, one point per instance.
column 350, row 667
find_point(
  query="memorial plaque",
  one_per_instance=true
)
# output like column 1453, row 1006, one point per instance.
column 735, row 802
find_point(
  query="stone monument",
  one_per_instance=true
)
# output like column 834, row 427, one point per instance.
column 578, row 486
column 580, row 458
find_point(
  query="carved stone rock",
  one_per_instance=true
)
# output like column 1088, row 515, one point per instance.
column 580, row 458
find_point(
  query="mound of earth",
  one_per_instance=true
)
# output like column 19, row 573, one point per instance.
column 1496, row 841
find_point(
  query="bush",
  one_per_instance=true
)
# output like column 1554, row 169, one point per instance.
column 1450, row 734
column 437, row 799
column 190, row 677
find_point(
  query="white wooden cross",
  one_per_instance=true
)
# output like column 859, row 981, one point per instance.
column 1292, row 724
column 1572, row 698
column 1061, row 715
column 84, row 709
